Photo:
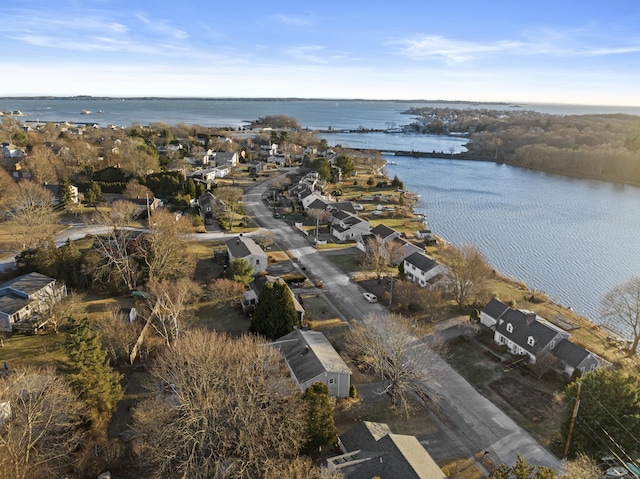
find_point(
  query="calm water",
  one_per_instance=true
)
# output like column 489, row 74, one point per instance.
column 573, row 239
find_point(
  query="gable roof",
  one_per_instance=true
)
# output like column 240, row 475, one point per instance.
column 383, row 231
column 421, row 261
column 572, row 354
column 241, row 247
column 27, row 284
column 376, row 451
column 317, row 204
column 309, row 354
column 344, row 206
column 526, row 325
column 495, row 308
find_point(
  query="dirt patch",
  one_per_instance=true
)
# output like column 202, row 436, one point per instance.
column 529, row 402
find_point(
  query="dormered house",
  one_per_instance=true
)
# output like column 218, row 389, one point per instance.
column 572, row 357
column 423, row 269
column 317, row 204
column 348, row 227
column 524, row 333
column 247, row 249
column 404, row 249
column 251, row 297
column 370, row 449
column 24, row 297
column 341, row 205
column 492, row 312
column 312, row 359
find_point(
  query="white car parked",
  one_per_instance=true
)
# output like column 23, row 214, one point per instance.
column 372, row 298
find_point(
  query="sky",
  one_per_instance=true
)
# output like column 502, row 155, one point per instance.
column 560, row 51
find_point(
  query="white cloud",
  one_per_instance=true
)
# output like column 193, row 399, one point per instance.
column 292, row 20
column 569, row 43
column 162, row 27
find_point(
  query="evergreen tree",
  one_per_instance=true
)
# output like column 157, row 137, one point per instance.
column 241, row 271
column 321, row 428
column 275, row 313
column 396, row 183
column 522, row 470
column 64, row 192
column 90, row 373
column 609, row 407
column 69, row 263
column 93, row 196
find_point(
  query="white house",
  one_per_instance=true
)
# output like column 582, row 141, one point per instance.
column 247, row 249
column 492, row 312
column 220, row 158
column 423, row 269
column 22, row 298
column 312, row 359
column 9, row 150
column 347, row 226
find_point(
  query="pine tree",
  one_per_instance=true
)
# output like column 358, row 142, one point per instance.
column 90, row 373
column 64, row 192
column 93, row 196
column 321, row 428
column 275, row 313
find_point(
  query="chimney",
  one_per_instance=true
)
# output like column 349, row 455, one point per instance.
column 531, row 317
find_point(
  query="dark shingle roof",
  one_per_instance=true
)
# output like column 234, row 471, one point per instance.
column 571, row 354
column 385, row 454
column 309, row 354
column 421, row 261
column 525, row 325
column 383, row 231
column 495, row 308
column 317, row 204
column 241, row 247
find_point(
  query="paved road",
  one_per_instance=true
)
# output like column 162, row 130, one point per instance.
column 472, row 422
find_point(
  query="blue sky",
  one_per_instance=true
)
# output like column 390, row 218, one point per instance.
column 563, row 51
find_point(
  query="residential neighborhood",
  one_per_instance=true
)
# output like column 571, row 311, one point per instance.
column 275, row 243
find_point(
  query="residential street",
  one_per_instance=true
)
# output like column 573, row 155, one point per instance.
column 473, row 423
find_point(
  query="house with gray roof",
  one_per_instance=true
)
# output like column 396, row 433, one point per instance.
column 572, row 357
column 492, row 312
column 247, row 249
column 423, row 269
column 525, row 333
column 312, row 359
column 24, row 297
column 370, row 449
column 348, row 227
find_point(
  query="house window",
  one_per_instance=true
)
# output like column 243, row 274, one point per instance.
column 509, row 328
column 332, row 381
column 530, row 341
column 257, row 261
column 553, row 344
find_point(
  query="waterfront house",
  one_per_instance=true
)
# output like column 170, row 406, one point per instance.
column 312, row 359
column 423, row 269
column 247, row 249
column 347, row 226
column 492, row 312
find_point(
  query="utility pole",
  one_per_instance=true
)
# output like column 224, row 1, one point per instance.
column 317, row 227
column 573, row 421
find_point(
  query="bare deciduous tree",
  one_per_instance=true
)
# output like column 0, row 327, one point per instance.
column 386, row 344
column 226, row 291
column 621, row 305
column 379, row 255
column 468, row 272
column 263, row 237
column 167, row 305
column 29, row 208
column 230, row 410
column 582, row 467
column 117, row 334
column 118, row 246
column 41, row 420
column 163, row 249
column 230, row 197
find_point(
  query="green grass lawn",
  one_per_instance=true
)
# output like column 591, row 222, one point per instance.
column 225, row 319
column 346, row 262
column 40, row 350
